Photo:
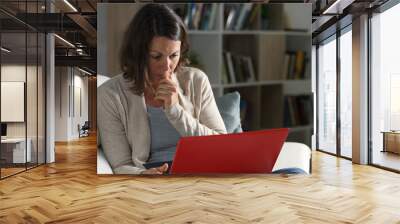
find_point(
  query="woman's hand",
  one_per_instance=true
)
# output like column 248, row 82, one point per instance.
column 156, row 170
column 167, row 92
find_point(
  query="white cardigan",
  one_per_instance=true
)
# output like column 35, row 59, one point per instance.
column 123, row 125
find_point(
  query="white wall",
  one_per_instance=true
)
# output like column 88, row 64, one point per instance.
column 61, row 104
column 12, row 101
column 33, row 126
column 67, row 115
column 80, row 83
column 12, row 73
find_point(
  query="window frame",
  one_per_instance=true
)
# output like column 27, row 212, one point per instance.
column 333, row 37
column 378, row 10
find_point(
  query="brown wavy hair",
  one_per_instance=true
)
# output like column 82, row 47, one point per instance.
column 150, row 21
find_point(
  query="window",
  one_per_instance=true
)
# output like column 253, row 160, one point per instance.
column 327, row 96
column 346, row 93
column 394, row 119
column 22, row 77
column 385, row 85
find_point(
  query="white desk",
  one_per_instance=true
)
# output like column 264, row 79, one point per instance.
column 17, row 147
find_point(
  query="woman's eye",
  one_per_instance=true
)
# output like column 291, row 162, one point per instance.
column 174, row 56
column 156, row 57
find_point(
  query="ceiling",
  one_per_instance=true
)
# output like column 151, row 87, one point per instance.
column 333, row 15
column 76, row 22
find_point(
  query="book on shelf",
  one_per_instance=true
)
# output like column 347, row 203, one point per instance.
column 190, row 13
column 212, row 18
column 243, row 15
column 251, row 20
column 307, row 69
column 294, row 65
column 240, row 16
column 292, row 62
column 264, row 17
column 197, row 16
column 299, row 66
column 224, row 74
column 229, row 16
column 229, row 66
column 248, row 65
column 239, row 68
column 297, row 110
column 285, row 66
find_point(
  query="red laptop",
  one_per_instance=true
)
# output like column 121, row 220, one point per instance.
column 247, row 152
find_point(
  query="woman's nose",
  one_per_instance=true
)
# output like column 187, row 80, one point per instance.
column 166, row 65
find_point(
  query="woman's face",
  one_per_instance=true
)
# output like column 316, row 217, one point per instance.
column 164, row 57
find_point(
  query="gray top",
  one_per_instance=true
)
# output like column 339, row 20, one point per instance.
column 123, row 124
column 164, row 136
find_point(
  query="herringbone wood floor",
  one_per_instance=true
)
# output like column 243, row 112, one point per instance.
column 69, row 191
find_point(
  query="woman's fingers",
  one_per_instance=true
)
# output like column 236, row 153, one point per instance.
column 167, row 86
column 162, row 96
column 152, row 171
column 167, row 92
column 164, row 92
column 167, row 82
column 163, row 168
column 157, row 170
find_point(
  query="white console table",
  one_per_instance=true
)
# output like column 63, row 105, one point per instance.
column 16, row 147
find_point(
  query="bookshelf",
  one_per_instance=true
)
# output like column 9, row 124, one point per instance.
column 263, row 51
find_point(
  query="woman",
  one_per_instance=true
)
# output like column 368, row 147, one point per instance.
column 143, row 112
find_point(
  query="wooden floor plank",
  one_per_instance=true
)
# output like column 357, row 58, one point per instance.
column 70, row 191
